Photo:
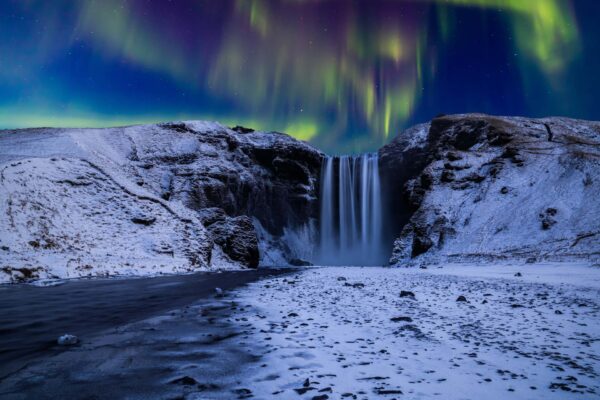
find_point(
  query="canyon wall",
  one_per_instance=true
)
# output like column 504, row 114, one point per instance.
column 482, row 188
column 184, row 196
column 152, row 199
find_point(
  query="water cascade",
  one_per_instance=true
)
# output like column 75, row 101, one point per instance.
column 351, row 215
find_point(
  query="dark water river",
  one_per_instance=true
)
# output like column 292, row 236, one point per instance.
column 32, row 318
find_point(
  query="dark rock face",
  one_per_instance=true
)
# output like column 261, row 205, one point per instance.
column 547, row 218
column 460, row 136
column 242, row 129
column 400, row 161
column 235, row 235
column 447, row 176
column 226, row 173
column 143, row 219
column 297, row 262
column 266, row 175
column 420, row 245
column 237, row 238
column 481, row 187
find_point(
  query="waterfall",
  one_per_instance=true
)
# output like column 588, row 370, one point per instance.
column 351, row 217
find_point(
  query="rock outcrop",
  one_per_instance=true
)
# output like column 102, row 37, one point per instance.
column 150, row 199
column 477, row 187
column 235, row 235
column 269, row 177
column 400, row 161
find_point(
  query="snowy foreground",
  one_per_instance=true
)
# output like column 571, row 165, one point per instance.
column 527, row 337
column 331, row 333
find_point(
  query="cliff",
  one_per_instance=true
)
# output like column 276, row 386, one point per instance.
column 186, row 196
column 481, row 188
column 151, row 199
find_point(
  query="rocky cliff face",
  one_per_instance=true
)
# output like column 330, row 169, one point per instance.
column 151, row 199
column 233, row 179
column 476, row 187
column 183, row 196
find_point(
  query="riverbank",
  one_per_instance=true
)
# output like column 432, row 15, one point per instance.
column 32, row 318
column 457, row 332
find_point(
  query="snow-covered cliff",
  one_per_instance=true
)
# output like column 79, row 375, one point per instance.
column 487, row 188
column 150, row 199
column 183, row 196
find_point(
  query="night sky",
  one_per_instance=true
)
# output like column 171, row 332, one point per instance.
column 347, row 75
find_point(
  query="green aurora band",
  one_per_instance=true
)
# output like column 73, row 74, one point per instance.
column 346, row 76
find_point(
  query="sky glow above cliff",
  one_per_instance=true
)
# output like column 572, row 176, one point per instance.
column 345, row 75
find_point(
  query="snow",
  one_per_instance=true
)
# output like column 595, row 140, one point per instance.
column 492, row 221
column 68, row 199
column 572, row 273
column 345, row 331
column 65, row 218
column 501, row 216
column 325, row 326
column 415, row 136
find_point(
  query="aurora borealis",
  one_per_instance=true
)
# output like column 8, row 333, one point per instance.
column 345, row 75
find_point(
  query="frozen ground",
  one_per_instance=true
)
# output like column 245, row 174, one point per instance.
column 331, row 333
column 349, row 332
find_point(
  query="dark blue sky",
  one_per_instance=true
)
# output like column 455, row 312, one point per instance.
column 345, row 75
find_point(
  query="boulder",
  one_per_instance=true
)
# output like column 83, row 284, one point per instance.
column 143, row 219
column 67, row 340
column 237, row 237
